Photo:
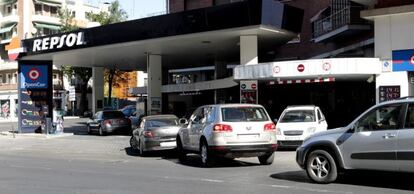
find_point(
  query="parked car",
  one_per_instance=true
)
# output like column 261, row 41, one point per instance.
column 228, row 130
column 157, row 132
column 382, row 138
column 297, row 123
column 109, row 121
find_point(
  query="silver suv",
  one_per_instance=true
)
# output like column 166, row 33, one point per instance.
column 228, row 130
column 382, row 138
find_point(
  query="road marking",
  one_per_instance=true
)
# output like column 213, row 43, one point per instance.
column 212, row 180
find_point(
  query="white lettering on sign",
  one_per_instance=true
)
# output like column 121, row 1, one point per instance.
column 68, row 40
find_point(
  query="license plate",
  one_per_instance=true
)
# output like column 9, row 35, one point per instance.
column 292, row 138
column 247, row 136
column 168, row 144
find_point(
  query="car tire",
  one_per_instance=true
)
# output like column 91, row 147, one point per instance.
column 142, row 152
column 101, row 132
column 321, row 167
column 133, row 143
column 89, row 130
column 182, row 155
column 207, row 160
column 267, row 159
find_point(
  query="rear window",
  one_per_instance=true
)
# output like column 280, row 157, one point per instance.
column 162, row 122
column 296, row 116
column 237, row 114
column 113, row 114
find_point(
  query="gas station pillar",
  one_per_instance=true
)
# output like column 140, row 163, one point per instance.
column 154, row 68
column 97, row 89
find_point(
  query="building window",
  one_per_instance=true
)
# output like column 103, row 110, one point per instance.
column 8, row 78
column 1, row 78
column 38, row 9
column 55, row 76
column 54, row 11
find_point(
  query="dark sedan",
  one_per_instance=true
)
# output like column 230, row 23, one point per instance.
column 109, row 121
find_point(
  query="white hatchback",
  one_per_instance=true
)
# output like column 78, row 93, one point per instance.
column 297, row 123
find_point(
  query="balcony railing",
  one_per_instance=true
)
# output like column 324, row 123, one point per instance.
column 347, row 16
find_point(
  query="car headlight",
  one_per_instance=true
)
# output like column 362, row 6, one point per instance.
column 278, row 131
column 311, row 129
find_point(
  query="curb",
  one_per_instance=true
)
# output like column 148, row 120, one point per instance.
column 34, row 135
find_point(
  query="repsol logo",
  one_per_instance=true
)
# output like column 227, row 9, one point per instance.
column 67, row 40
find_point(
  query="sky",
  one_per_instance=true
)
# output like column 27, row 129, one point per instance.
column 136, row 8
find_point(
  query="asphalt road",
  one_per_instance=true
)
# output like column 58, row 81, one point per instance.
column 93, row 164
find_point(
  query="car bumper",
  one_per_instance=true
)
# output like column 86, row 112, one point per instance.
column 300, row 157
column 121, row 129
column 243, row 151
column 289, row 144
column 158, row 145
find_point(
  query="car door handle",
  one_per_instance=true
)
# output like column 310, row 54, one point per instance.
column 389, row 136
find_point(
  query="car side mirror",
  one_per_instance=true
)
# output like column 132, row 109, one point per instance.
column 275, row 121
column 183, row 121
column 352, row 129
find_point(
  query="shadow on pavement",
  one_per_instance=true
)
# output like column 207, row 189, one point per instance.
column 193, row 160
column 165, row 154
column 389, row 180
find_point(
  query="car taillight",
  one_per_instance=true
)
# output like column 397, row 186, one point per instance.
column 270, row 127
column 222, row 128
column 148, row 134
column 108, row 122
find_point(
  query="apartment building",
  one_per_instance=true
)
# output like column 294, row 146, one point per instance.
column 27, row 19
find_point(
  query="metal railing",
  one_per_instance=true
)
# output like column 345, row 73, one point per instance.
column 346, row 16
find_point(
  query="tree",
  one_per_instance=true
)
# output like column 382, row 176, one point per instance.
column 83, row 73
column 114, row 15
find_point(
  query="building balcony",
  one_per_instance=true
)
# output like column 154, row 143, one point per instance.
column 339, row 25
column 6, row 86
column 9, row 18
column 54, row 20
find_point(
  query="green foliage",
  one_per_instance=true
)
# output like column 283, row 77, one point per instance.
column 115, row 14
column 67, row 19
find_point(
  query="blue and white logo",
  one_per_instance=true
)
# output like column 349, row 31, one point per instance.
column 33, row 76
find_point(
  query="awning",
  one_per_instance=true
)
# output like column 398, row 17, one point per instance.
column 49, row 2
column 310, row 69
column 7, row 28
column 5, row 2
column 200, row 86
column 48, row 26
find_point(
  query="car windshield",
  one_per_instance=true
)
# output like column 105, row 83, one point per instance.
column 237, row 114
column 162, row 122
column 113, row 114
column 296, row 116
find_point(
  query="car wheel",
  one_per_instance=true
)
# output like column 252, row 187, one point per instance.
column 182, row 155
column 267, row 159
column 321, row 167
column 142, row 153
column 101, row 133
column 207, row 159
column 89, row 130
column 133, row 143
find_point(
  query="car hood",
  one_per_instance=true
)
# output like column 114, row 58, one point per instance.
column 339, row 130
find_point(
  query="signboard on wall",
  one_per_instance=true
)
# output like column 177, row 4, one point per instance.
column 35, row 95
column 248, row 92
column 387, row 93
column 403, row 60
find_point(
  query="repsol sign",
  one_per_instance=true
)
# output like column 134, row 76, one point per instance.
column 57, row 42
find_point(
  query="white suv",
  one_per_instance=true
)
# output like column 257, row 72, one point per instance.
column 297, row 123
column 228, row 130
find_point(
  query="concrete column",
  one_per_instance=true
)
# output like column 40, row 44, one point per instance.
column 97, row 89
column 220, row 72
column 154, row 67
column 248, row 50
